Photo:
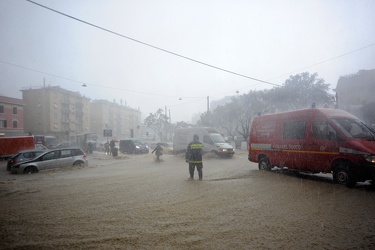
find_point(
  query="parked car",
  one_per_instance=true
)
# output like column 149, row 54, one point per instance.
column 41, row 147
column 64, row 145
column 133, row 146
column 22, row 156
column 54, row 158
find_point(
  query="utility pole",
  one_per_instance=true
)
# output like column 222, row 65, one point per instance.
column 208, row 104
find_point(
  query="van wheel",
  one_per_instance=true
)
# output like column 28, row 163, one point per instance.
column 264, row 164
column 342, row 174
column 30, row 170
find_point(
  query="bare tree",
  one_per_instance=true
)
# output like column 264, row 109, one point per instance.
column 159, row 123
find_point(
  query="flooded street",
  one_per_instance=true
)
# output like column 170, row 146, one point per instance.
column 133, row 202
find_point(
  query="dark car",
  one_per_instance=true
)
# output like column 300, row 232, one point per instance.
column 64, row 145
column 133, row 146
column 55, row 158
column 22, row 156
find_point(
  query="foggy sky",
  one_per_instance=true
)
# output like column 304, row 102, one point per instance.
column 267, row 40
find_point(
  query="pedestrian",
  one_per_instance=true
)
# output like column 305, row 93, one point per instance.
column 106, row 148
column 112, row 145
column 158, row 151
column 194, row 157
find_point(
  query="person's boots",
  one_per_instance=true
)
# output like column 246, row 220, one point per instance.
column 200, row 175
column 191, row 175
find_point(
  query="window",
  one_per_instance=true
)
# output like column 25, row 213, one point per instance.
column 3, row 123
column 66, row 153
column 14, row 110
column 2, row 109
column 14, row 124
column 353, row 128
column 207, row 139
column 323, row 130
column 50, row 156
column 295, row 130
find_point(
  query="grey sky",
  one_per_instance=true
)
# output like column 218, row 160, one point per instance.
column 267, row 40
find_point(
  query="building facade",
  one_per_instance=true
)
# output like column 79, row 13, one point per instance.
column 11, row 116
column 354, row 91
column 56, row 111
column 123, row 121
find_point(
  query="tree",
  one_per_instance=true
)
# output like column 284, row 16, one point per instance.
column 224, row 117
column 301, row 91
column 159, row 123
column 206, row 120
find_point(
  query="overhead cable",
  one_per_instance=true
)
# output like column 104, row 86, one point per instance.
column 152, row 46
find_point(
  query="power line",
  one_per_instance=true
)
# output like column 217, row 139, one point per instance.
column 96, row 85
column 327, row 60
column 152, row 46
column 333, row 58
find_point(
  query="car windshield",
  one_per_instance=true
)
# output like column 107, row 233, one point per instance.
column 138, row 142
column 354, row 128
column 217, row 138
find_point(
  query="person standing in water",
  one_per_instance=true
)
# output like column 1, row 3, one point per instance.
column 194, row 157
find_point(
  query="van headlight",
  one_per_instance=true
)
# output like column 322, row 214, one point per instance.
column 370, row 158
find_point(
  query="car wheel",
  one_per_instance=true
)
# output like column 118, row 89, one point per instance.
column 342, row 174
column 264, row 164
column 78, row 164
column 30, row 170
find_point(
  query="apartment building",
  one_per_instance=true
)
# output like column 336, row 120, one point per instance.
column 354, row 91
column 11, row 116
column 56, row 111
column 123, row 121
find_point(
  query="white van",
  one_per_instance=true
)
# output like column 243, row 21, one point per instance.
column 210, row 138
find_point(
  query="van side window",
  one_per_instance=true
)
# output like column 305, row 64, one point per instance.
column 207, row 139
column 295, row 130
column 323, row 130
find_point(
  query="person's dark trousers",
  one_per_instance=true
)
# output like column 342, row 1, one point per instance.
column 199, row 169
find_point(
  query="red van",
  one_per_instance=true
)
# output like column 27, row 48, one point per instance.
column 9, row 146
column 315, row 140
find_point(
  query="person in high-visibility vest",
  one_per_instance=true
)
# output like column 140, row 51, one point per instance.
column 194, row 157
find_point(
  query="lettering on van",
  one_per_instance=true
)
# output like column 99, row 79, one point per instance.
column 287, row 146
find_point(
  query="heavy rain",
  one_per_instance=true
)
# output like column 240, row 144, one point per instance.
column 105, row 107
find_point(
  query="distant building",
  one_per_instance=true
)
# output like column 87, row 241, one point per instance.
column 354, row 91
column 56, row 111
column 123, row 121
column 11, row 116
